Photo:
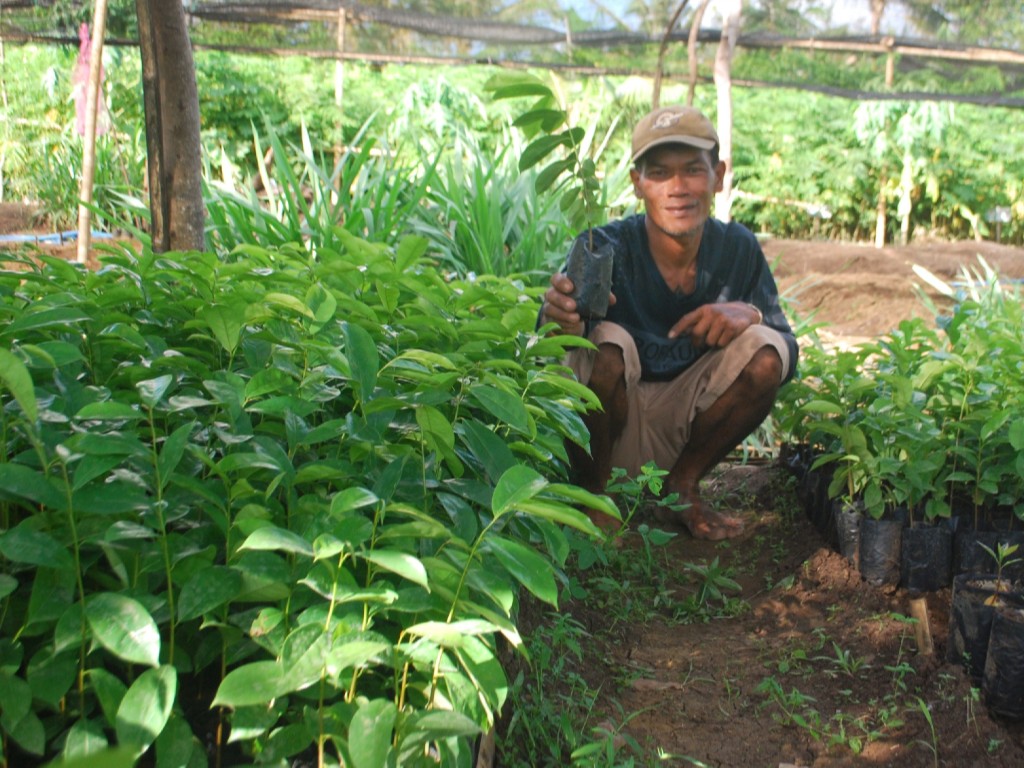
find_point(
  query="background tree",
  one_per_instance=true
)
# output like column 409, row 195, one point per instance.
column 172, row 127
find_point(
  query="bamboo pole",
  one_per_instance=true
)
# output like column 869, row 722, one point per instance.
column 92, row 93
column 339, row 80
column 691, row 50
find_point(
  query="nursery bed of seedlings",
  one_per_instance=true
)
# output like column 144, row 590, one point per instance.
column 770, row 650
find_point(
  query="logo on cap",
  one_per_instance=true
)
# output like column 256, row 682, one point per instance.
column 666, row 120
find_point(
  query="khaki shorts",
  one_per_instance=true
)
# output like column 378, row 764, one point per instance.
column 661, row 412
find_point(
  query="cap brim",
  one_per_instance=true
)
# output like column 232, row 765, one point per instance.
column 686, row 141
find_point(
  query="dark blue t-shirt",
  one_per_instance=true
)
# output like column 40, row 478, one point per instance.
column 730, row 267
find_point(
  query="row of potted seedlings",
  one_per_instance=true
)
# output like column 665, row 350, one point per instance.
column 909, row 457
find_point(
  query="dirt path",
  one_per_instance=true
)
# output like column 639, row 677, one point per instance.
column 817, row 668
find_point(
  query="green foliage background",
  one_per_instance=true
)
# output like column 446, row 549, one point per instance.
column 794, row 151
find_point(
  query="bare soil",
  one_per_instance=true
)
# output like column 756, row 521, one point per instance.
column 850, row 681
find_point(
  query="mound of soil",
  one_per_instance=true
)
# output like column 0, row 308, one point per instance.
column 858, row 291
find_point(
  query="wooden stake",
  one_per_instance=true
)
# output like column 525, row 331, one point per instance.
column 922, row 628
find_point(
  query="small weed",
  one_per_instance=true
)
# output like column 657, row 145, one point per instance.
column 794, row 662
column 971, row 699
column 933, row 745
column 554, row 708
column 712, row 582
column 843, row 660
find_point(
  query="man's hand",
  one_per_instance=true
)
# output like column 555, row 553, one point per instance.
column 559, row 306
column 715, row 325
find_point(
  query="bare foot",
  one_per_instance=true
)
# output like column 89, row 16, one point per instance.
column 702, row 523
column 709, row 524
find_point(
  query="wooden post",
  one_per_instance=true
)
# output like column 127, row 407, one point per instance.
column 92, row 96
column 922, row 628
column 731, row 10
column 339, row 79
column 659, row 71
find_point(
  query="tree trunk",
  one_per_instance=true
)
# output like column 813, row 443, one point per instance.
column 173, row 148
column 92, row 98
column 877, row 9
column 731, row 10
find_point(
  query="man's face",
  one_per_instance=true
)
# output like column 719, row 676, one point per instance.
column 677, row 185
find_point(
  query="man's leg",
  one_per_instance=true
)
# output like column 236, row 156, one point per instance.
column 608, row 381
column 715, row 433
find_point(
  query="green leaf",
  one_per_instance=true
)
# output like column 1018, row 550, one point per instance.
column 124, row 627
column 550, row 174
column 519, row 483
column 437, row 430
column 23, row 545
column 146, row 707
column 436, row 725
column 823, row 406
column 207, row 590
column 51, row 675
column 172, row 452
column 109, row 692
column 401, row 563
column 7, row 585
column 52, row 354
column 526, row 566
column 24, row 482
column 277, row 539
column 225, row 323
column 1016, row 435
column 451, row 634
column 29, row 733
column 287, row 301
column 504, row 406
column 16, row 378
column 151, row 391
column 355, row 652
column 85, row 738
column 108, row 411
column 47, row 318
column 537, row 150
column 15, row 697
column 370, row 733
column 506, row 85
column 252, row 684
column 362, row 357
column 176, row 744
column 490, row 450
column 118, row 757
column 323, row 305
column 350, row 499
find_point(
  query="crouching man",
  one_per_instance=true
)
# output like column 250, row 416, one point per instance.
column 694, row 346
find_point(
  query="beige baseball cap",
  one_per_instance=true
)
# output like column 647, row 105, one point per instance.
column 673, row 125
